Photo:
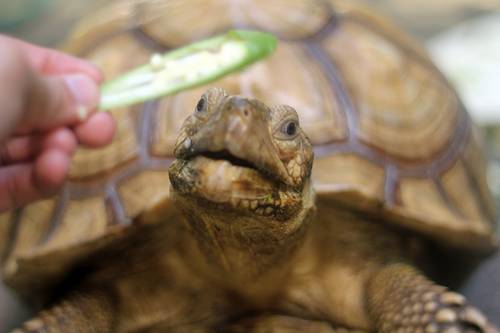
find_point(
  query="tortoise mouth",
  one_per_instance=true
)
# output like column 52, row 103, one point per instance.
column 236, row 161
column 225, row 155
column 225, row 182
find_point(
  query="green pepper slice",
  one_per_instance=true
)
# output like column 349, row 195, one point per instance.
column 187, row 67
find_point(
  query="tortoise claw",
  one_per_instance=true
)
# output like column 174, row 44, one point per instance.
column 402, row 300
column 454, row 315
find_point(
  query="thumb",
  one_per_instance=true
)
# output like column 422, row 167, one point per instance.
column 53, row 101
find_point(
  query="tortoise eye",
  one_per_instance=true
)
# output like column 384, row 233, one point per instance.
column 289, row 128
column 200, row 107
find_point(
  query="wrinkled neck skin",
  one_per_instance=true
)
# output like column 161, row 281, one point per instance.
column 241, row 248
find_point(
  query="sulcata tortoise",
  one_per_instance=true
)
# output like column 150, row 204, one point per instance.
column 246, row 233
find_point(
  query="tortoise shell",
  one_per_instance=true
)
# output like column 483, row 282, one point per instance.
column 391, row 137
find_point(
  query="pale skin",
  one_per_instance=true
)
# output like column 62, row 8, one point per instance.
column 251, row 256
column 47, row 104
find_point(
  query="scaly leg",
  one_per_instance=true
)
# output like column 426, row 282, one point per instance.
column 400, row 299
column 80, row 313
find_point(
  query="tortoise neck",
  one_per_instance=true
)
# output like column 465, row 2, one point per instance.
column 241, row 247
column 239, row 253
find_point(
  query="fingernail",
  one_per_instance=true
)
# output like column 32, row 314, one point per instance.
column 83, row 112
column 85, row 93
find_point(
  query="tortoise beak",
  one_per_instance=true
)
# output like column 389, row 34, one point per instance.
column 238, row 132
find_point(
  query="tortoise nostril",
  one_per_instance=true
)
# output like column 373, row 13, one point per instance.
column 245, row 112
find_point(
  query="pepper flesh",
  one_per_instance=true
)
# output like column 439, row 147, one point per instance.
column 187, row 67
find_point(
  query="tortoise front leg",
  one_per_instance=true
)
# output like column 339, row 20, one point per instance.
column 79, row 313
column 400, row 299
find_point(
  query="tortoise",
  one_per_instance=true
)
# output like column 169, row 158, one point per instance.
column 246, row 233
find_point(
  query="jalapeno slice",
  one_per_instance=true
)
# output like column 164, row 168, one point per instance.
column 187, row 67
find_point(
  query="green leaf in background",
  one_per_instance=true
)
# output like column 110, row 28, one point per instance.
column 14, row 13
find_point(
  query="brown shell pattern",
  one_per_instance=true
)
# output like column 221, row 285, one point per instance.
column 390, row 135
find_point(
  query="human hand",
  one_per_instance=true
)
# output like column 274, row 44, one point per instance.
column 45, row 101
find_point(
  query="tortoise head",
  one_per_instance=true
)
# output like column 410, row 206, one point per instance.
column 242, row 180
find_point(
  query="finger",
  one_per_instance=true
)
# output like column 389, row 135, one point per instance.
column 61, row 139
column 30, row 101
column 15, row 76
column 48, row 61
column 25, row 148
column 25, row 183
column 18, row 149
column 58, row 101
column 51, row 169
column 16, row 186
column 97, row 131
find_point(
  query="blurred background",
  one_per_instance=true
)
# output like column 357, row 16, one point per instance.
column 463, row 37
